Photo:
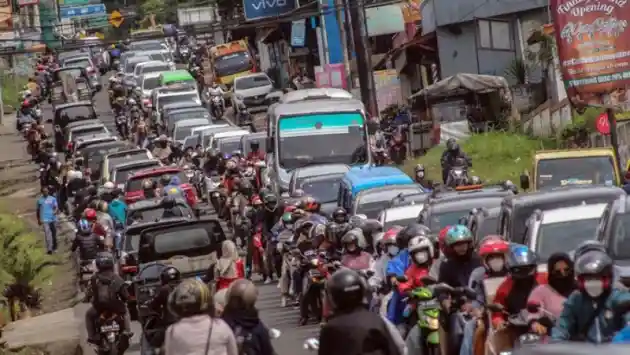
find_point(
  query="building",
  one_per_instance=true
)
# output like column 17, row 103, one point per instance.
column 480, row 36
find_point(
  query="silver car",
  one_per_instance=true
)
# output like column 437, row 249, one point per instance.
column 252, row 90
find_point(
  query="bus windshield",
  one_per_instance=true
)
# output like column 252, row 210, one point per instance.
column 326, row 138
column 575, row 171
column 232, row 63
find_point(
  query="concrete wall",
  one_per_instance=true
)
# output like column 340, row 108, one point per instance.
column 548, row 119
column 441, row 13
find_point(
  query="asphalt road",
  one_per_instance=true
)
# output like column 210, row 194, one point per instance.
column 284, row 319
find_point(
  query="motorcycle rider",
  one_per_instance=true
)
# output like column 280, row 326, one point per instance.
column 169, row 279
column 598, row 310
column 353, row 256
column 388, row 241
column 88, row 243
column 353, row 329
column 421, row 252
column 148, row 189
column 171, row 209
column 109, row 294
column 174, row 188
column 255, row 154
column 162, row 150
column 450, row 155
column 211, row 163
column 215, row 90
column 420, row 177
column 244, row 116
column 456, row 270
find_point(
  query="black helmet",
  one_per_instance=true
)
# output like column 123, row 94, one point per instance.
column 165, row 179
column 451, row 145
column 212, row 153
column 332, row 231
column 168, row 202
column 588, row 245
column 303, row 226
column 351, row 237
column 191, row 297
column 594, row 263
column 169, row 275
column 246, row 187
column 340, row 215
column 105, row 262
column 346, row 290
column 254, row 145
column 412, row 230
column 521, row 261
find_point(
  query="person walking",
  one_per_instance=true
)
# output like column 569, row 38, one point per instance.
column 47, row 209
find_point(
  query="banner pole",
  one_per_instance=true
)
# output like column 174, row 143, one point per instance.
column 614, row 141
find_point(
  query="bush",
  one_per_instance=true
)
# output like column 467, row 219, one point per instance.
column 11, row 86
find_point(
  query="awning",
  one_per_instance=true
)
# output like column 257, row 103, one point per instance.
column 461, row 84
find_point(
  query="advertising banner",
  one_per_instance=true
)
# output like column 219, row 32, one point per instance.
column 593, row 44
column 6, row 15
column 260, row 9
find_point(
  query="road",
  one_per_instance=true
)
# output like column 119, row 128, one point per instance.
column 284, row 319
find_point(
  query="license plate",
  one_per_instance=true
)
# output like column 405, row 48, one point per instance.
column 110, row 328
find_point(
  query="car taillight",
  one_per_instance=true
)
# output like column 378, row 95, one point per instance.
column 147, row 103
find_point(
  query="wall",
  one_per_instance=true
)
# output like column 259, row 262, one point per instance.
column 443, row 13
column 548, row 119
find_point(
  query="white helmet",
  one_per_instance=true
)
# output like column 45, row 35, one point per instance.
column 131, row 102
column 108, row 185
column 419, row 243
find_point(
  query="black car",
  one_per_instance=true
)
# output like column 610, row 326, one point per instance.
column 94, row 155
column 438, row 214
column 153, row 210
column 483, row 222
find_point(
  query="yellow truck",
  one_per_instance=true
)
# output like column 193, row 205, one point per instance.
column 231, row 60
column 558, row 168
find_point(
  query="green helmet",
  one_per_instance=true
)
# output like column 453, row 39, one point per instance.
column 287, row 218
column 457, row 234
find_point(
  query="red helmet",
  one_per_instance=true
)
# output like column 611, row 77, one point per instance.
column 442, row 237
column 493, row 244
column 26, row 103
column 90, row 214
column 256, row 200
column 389, row 237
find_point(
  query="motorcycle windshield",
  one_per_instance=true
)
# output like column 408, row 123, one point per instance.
column 150, row 273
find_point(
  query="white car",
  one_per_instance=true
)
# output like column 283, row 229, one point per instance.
column 252, row 90
column 400, row 215
column 562, row 229
column 154, row 66
column 184, row 128
column 159, row 99
column 147, row 83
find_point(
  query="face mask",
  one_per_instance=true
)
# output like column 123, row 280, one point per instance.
column 421, row 257
column 594, row 288
column 420, row 174
column 392, row 250
column 496, row 264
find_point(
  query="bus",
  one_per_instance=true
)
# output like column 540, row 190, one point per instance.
column 231, row 60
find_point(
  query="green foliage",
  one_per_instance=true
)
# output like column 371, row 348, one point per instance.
column 11, row 86
column 24, row 267
column 518, row 70
column 496, row 156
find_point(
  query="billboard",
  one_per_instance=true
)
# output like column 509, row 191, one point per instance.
column 260, row 9
column 6, row 15
column 593, row 49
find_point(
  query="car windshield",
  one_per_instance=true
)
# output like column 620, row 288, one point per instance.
column 187, row 115
column 182, row 132
column 329, row 138
column 135, row 184
column 373, row 202
column 126, row 158
column 154, row 213
column 398, row 222
column 437, row 221
column 162, row 57
column 190, row 241
column 488, row 226
column 94, row 155
column 250, row 82
column 553, row 237
column 147, row 46
column 83, row 63
column 575, row 171
column 227, row 146
column 122, row 174
column 79, row 112
column 76, row 134
column 73, row 73
column 232, row 63
column 324, row 190
column 151, row 83
column 155, row 68
column 131, row 65
column 170, row 99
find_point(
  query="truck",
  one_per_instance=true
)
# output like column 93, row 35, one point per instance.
column 231, row 60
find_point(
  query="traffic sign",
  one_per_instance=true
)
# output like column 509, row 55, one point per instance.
column 602, row 124
column 116, row 18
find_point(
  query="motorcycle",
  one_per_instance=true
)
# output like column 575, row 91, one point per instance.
column 458, row 174
column 216, row 106
column 213, row 184
column 518, row 332
column 112, row 342
column 398, row 149
column 122, row 126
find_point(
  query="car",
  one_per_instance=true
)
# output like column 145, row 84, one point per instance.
column 148, row 45
column 121, row 174
column 75, row 111
column 515, row 210
column 192, row 247
column 336, row 171
column 218, row 137
column 93, row 156
column 562, row 229
column 87, row 141
column 399, row 215
column 110, row 161
column 153, row 210
column 85, row 61
column 171, row 117
column 73, row 125
column 483, row 222
column 133, row 186
column 260, row 137
column 206, row 135
column 180, row 105
column 152, row 66
column 251, row 90
column 438, row 214
column 160, row 98
column 372, row 201
column 183, row 128
column 147, row 83
column 76, row 133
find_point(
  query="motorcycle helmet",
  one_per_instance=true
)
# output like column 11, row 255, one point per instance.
column 254, row 146
column 346, row 290
column 303, row 226
column 421, row 250
column 169, row 275
column 191, row 297
column 310, row 204
column 339, row 215
column 492, row 251
column 411, row 231
column 90, row 214
column 419, row 171
column 84, row 227
column 521, row 262
column 587, row 246
column 458, row 235
column 102, row 206
column 452, row 146
column 104, row 261
column 442, row 238
column 147, row 184
column 351, row 240
column 594, row 271
column 332, row 232
column 165, row 179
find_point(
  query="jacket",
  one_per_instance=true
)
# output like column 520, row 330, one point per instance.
column 229, row 267
column 397, row 267
column 579, row 309
column 413, row 274
column 475, row 282
column 118, row 306
column 88, row 245
column 245, row 323
column 360, row 261
column 191, row 335
column 504, row 295
column 455, row 272
column 118, row 211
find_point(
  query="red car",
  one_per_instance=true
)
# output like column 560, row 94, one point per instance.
column 134, row 191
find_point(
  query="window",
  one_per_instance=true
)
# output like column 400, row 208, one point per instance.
column 494, row 34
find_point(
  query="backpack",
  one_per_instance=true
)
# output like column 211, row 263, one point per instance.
column 105, row 292
column 245, row 341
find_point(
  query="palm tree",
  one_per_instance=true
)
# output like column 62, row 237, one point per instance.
column 24, row 267
column 544, row 56
column 518, row 70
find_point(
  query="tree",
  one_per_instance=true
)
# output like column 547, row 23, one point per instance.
column 518, row 71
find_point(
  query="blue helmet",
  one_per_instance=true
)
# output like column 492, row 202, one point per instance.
column 521, row 261
column 84, row 227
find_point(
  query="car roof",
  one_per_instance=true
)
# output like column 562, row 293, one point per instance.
column 226, row 134
column 152, row 202
column 86, row 126
column 229, row 139
column 466, row 204
column 153, row 63
column 74, row 104
column 568, row 194
column 573, row 213
column 156, row 170
column 362, row 179
column 183, row 104
column 136, row 162
column 253, row 75
column 402, row 212
column 187, row 109
column 191, row 122
column 76, row 124
column 318, row 170
column 96, row 137
column 126, row 152
column 137, row 228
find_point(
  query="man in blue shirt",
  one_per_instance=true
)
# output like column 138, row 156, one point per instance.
column 47, row 209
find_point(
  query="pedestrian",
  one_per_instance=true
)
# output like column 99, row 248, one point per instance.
column 47, row 210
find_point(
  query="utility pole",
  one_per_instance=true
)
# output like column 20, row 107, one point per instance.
column 364, row 60
column 340, row 4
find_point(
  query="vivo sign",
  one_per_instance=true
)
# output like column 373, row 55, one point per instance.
column 259, row 9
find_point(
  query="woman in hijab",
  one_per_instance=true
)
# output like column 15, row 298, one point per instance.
column 551, row 297
column 229, row 267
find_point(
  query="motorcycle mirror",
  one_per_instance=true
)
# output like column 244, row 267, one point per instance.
column 534, row 307
column 495, row 307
